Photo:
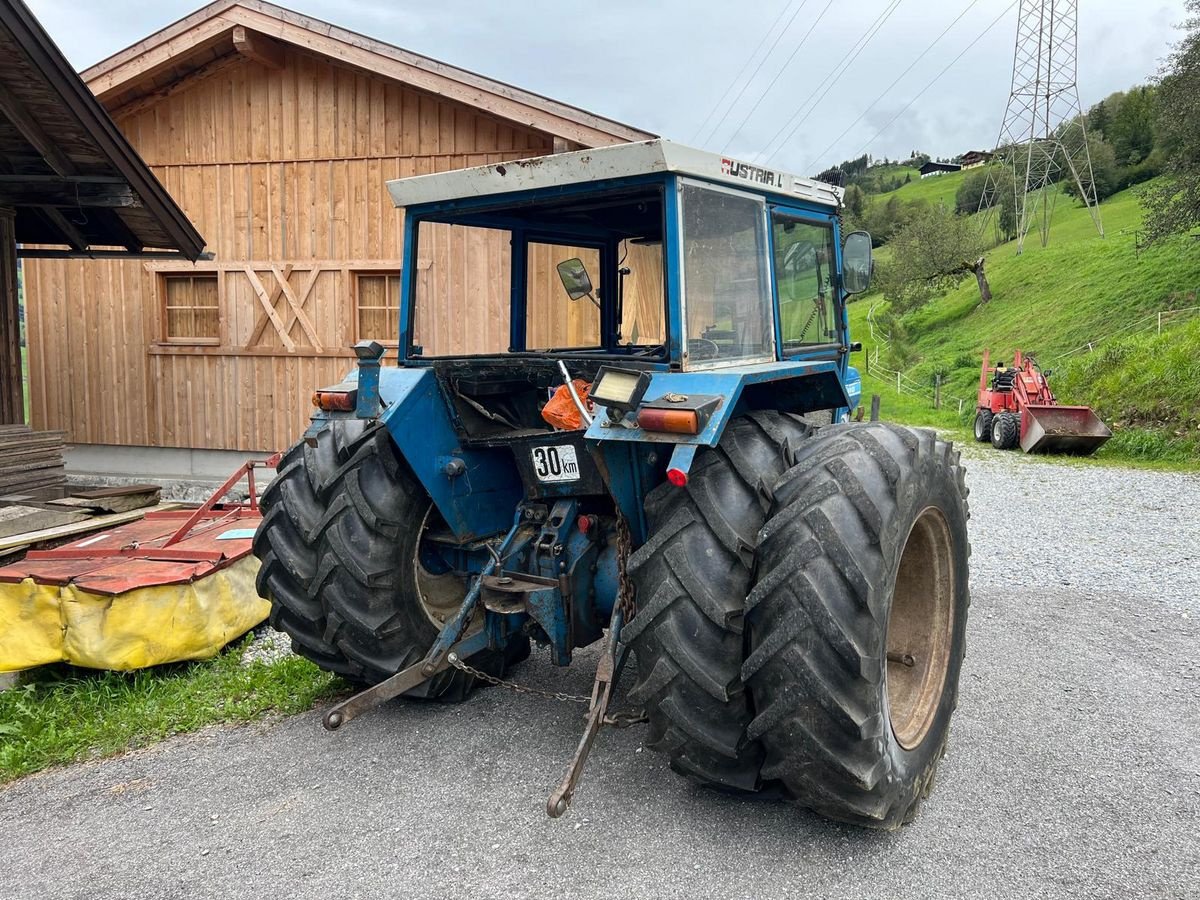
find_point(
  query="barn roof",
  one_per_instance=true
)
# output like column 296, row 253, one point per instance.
column 255, row 28
column 70, row 175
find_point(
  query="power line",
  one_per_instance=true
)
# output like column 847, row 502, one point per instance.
column 831, row 80
column 899, row 78
column 770, row 30
column 936, row 78
column 757, row 69
column 767, row 90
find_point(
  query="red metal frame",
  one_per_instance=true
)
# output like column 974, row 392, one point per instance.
column 191, row 518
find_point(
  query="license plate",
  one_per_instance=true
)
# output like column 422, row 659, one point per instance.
column 555, row 463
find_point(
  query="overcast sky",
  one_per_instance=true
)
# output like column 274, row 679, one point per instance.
column 663, row 66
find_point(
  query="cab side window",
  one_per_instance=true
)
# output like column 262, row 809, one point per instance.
column 805, row 259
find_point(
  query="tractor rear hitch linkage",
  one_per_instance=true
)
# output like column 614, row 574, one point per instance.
column 435, row 661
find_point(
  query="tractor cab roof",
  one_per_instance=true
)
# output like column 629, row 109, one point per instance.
column 619, row 161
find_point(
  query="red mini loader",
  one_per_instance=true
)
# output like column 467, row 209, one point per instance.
column 1017, row 408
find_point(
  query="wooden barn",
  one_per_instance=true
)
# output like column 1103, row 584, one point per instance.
column 275, row 134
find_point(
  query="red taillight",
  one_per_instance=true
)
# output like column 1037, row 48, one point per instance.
column 335, row 401
column 677, row 477
column 676, row 421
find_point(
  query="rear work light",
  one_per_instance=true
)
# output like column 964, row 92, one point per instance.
column 335, row 401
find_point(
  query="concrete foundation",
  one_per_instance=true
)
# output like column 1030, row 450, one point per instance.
column 185, row 474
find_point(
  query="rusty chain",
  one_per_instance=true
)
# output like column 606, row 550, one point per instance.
column 625, row 594
column 616, row 720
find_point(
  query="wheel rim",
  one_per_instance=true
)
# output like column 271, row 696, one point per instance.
column 920, row 629
column 441, row 594
column 979, row 428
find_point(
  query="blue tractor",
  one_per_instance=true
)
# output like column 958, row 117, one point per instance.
column 620, row 412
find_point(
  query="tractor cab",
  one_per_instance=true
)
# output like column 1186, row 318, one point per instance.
column 649, row 257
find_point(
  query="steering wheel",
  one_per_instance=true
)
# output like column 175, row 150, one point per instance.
column 702, row 349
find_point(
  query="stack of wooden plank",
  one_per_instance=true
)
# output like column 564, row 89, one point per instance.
column 30, row 460
column 27, row 521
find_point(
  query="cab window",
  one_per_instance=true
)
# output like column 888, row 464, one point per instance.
column 805, row 257
column 726, row 288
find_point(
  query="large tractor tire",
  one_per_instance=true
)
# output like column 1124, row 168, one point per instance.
column 983, row 425
column 857, row 621
column 342, row 568
column 1006, row 431
column 691, row 578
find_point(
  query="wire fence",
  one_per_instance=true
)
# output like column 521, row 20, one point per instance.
column 1152, row 322
column 938, row 399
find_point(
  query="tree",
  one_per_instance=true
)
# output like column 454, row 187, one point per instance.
column 1131, row 131
column 1106, row 174
column 933, row 252
column 856, row 202
column 1173, row 204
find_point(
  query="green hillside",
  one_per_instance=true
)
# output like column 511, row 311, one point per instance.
column 935, row 189
column 1050, row 301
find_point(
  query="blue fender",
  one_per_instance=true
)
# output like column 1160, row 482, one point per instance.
column 475, row 490
column 790, row 386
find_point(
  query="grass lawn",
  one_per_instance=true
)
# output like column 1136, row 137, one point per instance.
column 936, row 189
column 61, row 714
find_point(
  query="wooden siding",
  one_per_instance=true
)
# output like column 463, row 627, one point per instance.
column 283, row 171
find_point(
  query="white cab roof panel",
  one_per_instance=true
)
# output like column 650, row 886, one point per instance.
column 603, row 163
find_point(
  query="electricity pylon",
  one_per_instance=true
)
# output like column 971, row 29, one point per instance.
column 1043, row 138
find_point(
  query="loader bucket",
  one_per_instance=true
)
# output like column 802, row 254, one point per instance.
column 1062, row 429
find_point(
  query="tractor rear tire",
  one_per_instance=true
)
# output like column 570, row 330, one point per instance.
column 983, row 425
column 857, row 621
column 338, row 544
column 691, row 578
column 1006, row 431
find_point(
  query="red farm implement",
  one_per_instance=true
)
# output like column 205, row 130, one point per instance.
column 1017, row 408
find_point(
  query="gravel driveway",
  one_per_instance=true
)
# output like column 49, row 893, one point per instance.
column 1073, row 770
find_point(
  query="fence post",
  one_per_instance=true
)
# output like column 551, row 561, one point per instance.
column 897, row 382
column 960, row 405
column 937, row 391
column 1160, row 324
column 874, row 407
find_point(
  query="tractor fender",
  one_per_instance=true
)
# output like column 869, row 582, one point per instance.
column 475, row 490
column 796, row 386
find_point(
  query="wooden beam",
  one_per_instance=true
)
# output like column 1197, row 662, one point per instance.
column 264, row 299
column 67, row 194
column 12, row 395
column 258, row 47
column 261, row 324
column 187, row 82
column 20, row 117
column 297, row 305
column 74, row 237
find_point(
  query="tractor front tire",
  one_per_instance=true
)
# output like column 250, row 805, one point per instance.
column 691, row 578
column 983, row 425
column 1006, row 431
column 857, row 621
column 338, row 544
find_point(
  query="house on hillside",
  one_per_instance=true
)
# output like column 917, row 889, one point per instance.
column 275, row 133
column 937, row 168
column 974, row 158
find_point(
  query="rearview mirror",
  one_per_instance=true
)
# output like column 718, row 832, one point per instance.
column 856, row 262
column 575, row 279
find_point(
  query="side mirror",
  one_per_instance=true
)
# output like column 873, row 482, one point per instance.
column 856, row 262
column 575, row 279
column 1047, row 373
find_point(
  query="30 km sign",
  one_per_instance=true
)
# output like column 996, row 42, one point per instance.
column 555, row 463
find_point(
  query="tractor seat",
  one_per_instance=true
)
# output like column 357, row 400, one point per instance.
column 1003, row 379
